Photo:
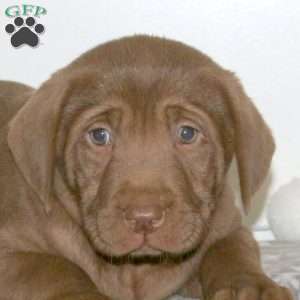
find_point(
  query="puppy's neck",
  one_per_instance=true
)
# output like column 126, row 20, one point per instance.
column 147, row 281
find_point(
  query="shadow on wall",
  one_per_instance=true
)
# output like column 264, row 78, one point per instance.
column 259, row 200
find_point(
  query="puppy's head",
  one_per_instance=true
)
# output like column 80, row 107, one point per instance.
column 142, row 130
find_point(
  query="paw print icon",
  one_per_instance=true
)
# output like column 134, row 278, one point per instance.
column 24, row 32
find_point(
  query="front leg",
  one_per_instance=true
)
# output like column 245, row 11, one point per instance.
column 27, row 275
column 231, row 270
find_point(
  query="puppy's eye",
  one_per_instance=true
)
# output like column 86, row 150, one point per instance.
column 100, row 136
column 187, row 134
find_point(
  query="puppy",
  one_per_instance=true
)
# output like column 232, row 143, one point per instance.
column 114, row 179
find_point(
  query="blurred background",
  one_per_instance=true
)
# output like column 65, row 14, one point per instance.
column 257, row 39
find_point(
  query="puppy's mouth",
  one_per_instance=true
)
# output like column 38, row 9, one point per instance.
column 149, row 255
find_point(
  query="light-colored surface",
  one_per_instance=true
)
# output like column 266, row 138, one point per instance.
column 281, row 260
column 257, row 39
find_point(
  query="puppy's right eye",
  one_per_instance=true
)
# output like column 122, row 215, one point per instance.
column 100, row 136
column 187, row 134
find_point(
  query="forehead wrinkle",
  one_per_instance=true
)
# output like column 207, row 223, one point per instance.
column 79, row 103
column 150, row 124
column 183, row 105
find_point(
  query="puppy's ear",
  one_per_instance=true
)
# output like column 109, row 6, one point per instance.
column 253, row 142
column 32, row 138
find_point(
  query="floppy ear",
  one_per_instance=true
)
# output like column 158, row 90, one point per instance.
column 253, row 142
column 32, row 138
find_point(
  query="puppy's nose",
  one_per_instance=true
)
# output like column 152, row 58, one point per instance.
column 144, row 219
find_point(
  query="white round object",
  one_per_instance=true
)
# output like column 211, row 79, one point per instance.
column 283, row 211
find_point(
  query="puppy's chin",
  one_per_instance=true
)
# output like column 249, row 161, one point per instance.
column 147, row 255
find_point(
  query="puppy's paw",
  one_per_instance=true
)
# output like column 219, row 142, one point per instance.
column 255, row 289
column 252, row 293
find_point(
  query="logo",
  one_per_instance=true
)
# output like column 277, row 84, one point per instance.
column 25, row 29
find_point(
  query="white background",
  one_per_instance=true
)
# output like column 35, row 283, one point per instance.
column 258, row 39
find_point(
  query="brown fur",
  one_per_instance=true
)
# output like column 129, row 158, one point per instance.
column 67, row 205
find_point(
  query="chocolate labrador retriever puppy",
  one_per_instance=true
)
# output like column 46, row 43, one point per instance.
column 114, row 179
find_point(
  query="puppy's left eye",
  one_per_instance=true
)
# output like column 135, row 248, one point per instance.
column 100, row 136
column 187, row 134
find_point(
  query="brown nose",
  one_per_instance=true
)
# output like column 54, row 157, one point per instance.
column 144, row 219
